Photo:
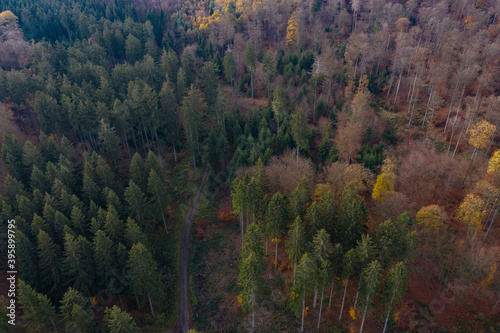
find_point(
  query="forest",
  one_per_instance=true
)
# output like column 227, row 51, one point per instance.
column 339, row 161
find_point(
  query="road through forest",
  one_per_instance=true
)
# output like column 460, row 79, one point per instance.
column 183, row 322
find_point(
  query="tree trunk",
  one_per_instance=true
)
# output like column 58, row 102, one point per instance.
column 331, row 293
column 251, row 80
column 315, row 297
column 427, row 109
column 241, row 223
column 303, row 308
column 357, row 295
column 451, row 105
column 364, row 314
column 297, row 152
column 175, row 153
column 389, row 309
column 343, row 299
column 321, row 304
column 194, row 163
column 150, row 304
column 491, row 224
column 128, row 148
column 397, row 89
column 276, row 251
column 498, row 300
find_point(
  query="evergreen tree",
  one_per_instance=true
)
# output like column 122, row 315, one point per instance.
column 370, row 279
column 109, row 141
column 27, row 260
column 74, row 312
column 158, row 196
column 209, row 77
column 299, row 198
column 304, row 275
column 251, row 267
column 353, row 218
column 78, row 261
column 138, row 172
column 228, row 64
column 300, row 130
column 269, row 65
column 113, row 225
column 138, row 207
column 78, row 221
column 144, row 275
column 250, row 60
column 134, row 234
column 276, row 216
column 192, row 109
column 294, row 243
column 104, row 252
column 396, row 279
column 50, row 263
column 38, row 311
column 118, row 321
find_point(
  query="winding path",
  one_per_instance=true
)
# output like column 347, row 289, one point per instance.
column 183, row 321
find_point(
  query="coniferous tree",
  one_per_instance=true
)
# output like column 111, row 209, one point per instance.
column 347, row 270
column 158, row 195
column 78, row 261
column 370, row 279
column 138, row 172
column 294, row 243
column 143, row 271
column 134, row 234
column 299, row 198
column 118, row 321
column 38, row 311
column 305, row 272
column 104, row 251
column 396, row 279
column 138, row 207
column 75, row 313
column 49, row 263
column 27, row 260
column 276, row 216
column 251, row 268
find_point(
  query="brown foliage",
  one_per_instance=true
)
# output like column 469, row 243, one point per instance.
column 14, row 50
column 340, row 174
column 284, row 172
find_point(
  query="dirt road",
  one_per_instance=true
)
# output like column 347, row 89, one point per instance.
column 183, row 322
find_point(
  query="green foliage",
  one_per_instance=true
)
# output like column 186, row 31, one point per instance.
column 118, row 321
column 38, row 311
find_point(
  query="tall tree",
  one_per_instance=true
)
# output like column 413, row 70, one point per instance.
column 299, row 129
column 305, row 272
column 50, row 263
column 118, row 321
column 38, row 311
column 370, row 279
column 250, row 60
column 294, row 243
column 138, row 206
column 395, row 284
column 278, row 104
column 209, row 77
column 192, row 109
column 75, row 313
column 143, row 271
column 251, row 267
column 158, row 195
column 276, row 217
column 269, row 65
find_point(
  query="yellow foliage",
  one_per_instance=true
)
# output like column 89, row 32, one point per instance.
column 321, row 190
column 396, row 316
column 273, row 240
column 471, row 212
column 352, row 313
column 494, row 164
column 480, row 134
column 384, row 187
column 95, row 300
column 292, row 31
column 294, row 295
column 7, row 17
column 240, row 299
column 306, row 310
column 402, row 24
column 489, row 278
column 431, row 217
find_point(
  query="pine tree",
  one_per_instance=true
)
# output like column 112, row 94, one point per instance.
column 49, row 263
column 269, row 66
column 322, row 249
column 138, row 172
column 104, row 251
column 138, row 207
column 78, row 221
column 294, row 243
column 299, row 130
column 74, row 312
column 143, row 271
column 299, row 198
column 192, row 108
column 114, row 225
column 78, row 261
column 27, row 260
column 32, row 156
column 278, row 105
column 305, row 272
column 209, row 77
column 38, row 180
column 276, row 217
column 237, row 195
column 370, row 279
column 134, row 234
column 38, row 311
column 158, row 195
column 251, row 267
column 109, row 141
column 396, row 279
column 228, row 64
column 118, row 321
column 347, row 271
column 353, row 218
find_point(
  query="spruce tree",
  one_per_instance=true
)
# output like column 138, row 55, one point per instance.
column 50, row 265
column 144, row 275
column 276, row 217
column 158, row 196
column 118, row 321
column 38, row 311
